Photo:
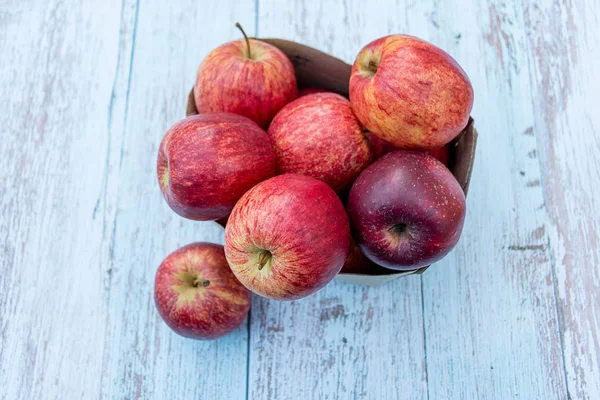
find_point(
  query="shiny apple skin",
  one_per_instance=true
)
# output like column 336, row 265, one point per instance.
column 410, row 93
column 197, row 295
column 318, row 135
column 206, row 162
column 302, row 227
column 407, row 210
column 257, row 87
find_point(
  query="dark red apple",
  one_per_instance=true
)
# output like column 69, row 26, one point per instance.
column 407, row 210
column 206, row 162
column 246, row 77
column 287, row 237
column 197, row 295
column 318, row 135
column 410, row 92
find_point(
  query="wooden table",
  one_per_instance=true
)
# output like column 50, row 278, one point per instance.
column 87, row 90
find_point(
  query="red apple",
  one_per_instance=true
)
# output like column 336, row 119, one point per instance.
column 318, row 135
column 287, row 237
column 407, row 210
column 246, row 77
column 223, row 221
column 197, row 295
column 410, row 92
column 307, row 91
column 381, row 148
column 206, row 162
column 357, row 263
column 442, row 154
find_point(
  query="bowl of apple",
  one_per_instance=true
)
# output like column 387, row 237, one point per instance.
column 317, row 169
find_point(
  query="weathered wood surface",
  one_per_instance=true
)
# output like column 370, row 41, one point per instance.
column 88, row 93
column 497, row 288
column 564, row 46
column 142, row 357
column 88, row 90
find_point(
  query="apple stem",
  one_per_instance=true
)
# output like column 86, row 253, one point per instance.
column 372, row 66
column 237, row 24
column 399, row 228
column 263, row 258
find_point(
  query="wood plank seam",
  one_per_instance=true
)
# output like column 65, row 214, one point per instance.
column 124, row 130
column 109, row 271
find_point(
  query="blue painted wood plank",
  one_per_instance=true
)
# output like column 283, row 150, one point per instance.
column 143, row 357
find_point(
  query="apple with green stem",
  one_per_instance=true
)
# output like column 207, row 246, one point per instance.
column 410, row 93
column 287, row 237
column 246, row 77
column 197, row 295
column 407, row 210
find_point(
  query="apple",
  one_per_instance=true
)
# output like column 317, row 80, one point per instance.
column 222, row 221
column 410, row 92
column 307, row 91
column 206, row 162
column 381, row 148
column 442, row 154
column 318, row 135
column 407, row 210
column 287, row 237
column 197, row 295
column 357, row 263
column 246, row 77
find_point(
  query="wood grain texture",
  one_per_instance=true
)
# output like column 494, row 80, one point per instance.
column 53, row 244
column 564, row 47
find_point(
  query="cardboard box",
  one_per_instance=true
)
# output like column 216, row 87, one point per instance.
column 317, row 69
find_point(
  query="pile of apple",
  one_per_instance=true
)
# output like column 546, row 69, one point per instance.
column 300, row 177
